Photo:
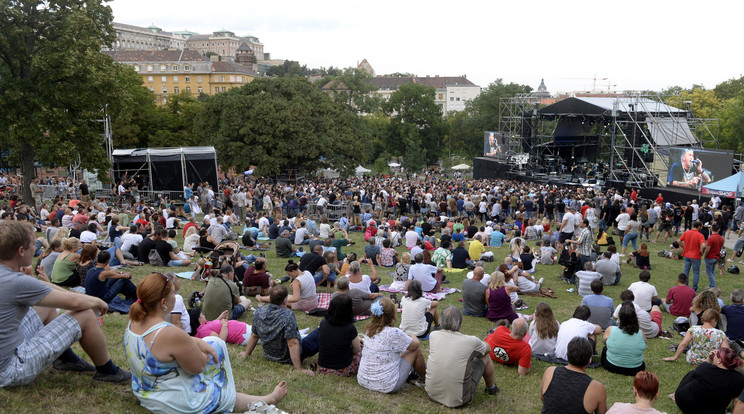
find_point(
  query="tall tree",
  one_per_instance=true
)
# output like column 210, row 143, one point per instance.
column 416, row 125
column 353, row 89
column 54, row 81
column 281, row 124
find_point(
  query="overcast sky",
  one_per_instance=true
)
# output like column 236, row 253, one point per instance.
column 636, row 45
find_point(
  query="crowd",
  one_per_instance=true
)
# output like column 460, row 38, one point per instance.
column 418, row 230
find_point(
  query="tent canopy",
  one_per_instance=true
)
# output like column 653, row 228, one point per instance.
column 602, row 107
column 394, row 165
column 362, row 170
column 461, row 167
column 169, row 169
column 730, row 187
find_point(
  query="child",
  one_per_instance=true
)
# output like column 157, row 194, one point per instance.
column 547, row 253
column 232, row 332
column 615, row 256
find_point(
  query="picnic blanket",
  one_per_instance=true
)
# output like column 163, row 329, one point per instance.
column 324, row 300
column 544, row 293
column 428, row 295
column 185, row 275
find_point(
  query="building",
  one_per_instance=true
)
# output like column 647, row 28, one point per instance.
column 224, row 44
column 130, row 37
column 167, row 72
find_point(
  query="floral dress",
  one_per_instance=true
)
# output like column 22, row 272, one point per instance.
column 704, row 341
column 164, row 387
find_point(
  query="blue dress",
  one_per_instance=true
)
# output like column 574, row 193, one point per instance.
column 163, row 387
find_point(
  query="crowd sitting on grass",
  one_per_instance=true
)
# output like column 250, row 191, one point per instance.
column 542, row 225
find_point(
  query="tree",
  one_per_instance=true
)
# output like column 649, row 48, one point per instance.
column 416, row 125
column 289, row 68
column 54, row 82
column 730, row 88
column 353, row 89
column 732, row 124
column 281, row 124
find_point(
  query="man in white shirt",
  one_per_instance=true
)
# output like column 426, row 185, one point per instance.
column 217, row 231
column 89, row 235
column 648, row 322
column 644, row 292
column 129, row 239
column 622, row 220
column 715, row 201
column 300, row 234
column 576, row 326
column 411, row 238
column 567, row 225
column 424, row 273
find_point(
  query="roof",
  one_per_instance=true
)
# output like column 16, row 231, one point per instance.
column 394, row 82
column 162, row 151
column 588, row 106
column 230, row 67
column 244, row 46
column 155, row 55
column 199, row 37
column 440, row 82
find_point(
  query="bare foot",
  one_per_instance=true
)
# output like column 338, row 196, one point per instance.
column 280, row 391
column 672, row 397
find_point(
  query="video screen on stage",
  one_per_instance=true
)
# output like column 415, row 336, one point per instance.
column 495, row 144
column 693, row 168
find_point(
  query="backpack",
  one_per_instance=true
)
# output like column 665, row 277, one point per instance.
column 154, row 257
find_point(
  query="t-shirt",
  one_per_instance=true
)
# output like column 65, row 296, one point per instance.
column 311, row 262
column 251, row 278
column 412, row 319
column 21, row 292
column 441, row 256
column 180, row 308
column 128, row 240
column 569, row 330
column 681, row 298
column 411, row 239
column 424, row 273
column 164, row 249
column 379, row 367
column 48, row 262
column 448, row 368
column 507, row 350
column 693, row 239
column 360, row 301
column 87, row 236
column 274, row 325
column 628, row 408
column 497, row 238
column 459, row 256
column 93, row 285
column 218, row 297
column 541, row 346
column 735, row 320
column 145, row 246
column 715, row 241
column 601, row 307
column 647, row 325
column 608, row 269
column 473, row 297
column 585, row 280
column 704, row 341
column 335, row 344
column 476, row 249
column 643, row 293
column 283, row 247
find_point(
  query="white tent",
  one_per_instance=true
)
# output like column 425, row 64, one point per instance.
column 394, row 165
column 461, row 167
column 361, row 170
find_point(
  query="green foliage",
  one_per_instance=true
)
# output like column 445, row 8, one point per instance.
column 289, row 68
column 401, row 75
column 280, row 124
column 730, row 88
column 54, row 82
column 353, row 89
column 416, row 125
column 732, row 124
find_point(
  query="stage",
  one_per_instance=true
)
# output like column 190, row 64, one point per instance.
column 674, row 194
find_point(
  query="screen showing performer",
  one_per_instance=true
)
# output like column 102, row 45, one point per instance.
column 494, row 144
column 694, row 168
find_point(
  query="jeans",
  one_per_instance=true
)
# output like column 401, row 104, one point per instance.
column 710, row 271
column 603, row 225
column 117, row 242
column 310, row 345
column 116, row 286
column 695, row 264
column 237, row 311
column 633, row 238
column 319, row 276
column 113, row 261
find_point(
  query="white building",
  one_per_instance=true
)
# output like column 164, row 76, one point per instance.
column 130, row 37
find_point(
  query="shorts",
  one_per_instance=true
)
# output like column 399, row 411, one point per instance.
column 665, row 226
column 473, row 375
column 175, row 263
column 656, row 318
column 404, row 369
column 40, row 347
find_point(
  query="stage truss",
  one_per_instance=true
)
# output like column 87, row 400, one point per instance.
column 620, row 144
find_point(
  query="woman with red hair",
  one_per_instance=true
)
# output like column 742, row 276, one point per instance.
column 712, row 385
column 646, row 392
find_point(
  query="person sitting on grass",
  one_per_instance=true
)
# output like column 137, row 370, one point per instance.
column 645, row 293
column 646, row 392
column 577, row 326
column 457, row 363
column 711, row 386
column 389, row 355
column 600, row 305
column 230, row 331
column 106, row 284
column 34, row 334
column 650, row 322
column 361, row 301
column 702, row 339
column 543, row 330
column 624, row 344
column 340, row 348
column 223, row 294
column 418, row 312
column 679, row 298
column 569, row 389
column 640, row 258
column 509, row 348
column 276, row 327
column 168, row 365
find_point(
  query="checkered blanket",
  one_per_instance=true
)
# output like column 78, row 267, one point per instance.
column 431, row 296
column 324, row 300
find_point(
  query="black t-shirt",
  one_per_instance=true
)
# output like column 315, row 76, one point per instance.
column 678, row 214
column 75, row 233
column 459, row 256
column 425, row 228
column 708, row 389
column 472, row 230
column 145, row 246
column 311, row 262
column 335, row 345
column 84, row 189
column 164, row 249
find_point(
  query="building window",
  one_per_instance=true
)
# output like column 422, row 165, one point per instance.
column 186, row 68
column 223, row 89
column 441, row 96
column 149, row 79
column 152, row 89
column 188, row 79
column 458, row 99
column 198, row 79
column 216, row 78
column 163, row 79
column 222, row 78
column 163, row 68
column 136, row 68
column 200, row 90
column 240, row 79
column 175, row 78
column 452, row 98
column 149, row 68
column 188, row 89
column 174, row 68
column 176, row 90
column 165, row 90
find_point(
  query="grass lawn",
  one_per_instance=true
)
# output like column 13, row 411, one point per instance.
column 54, row 392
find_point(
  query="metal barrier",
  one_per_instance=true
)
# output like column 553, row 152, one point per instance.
column 334, row 211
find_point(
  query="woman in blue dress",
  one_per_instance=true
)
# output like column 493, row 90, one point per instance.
column 173, row 372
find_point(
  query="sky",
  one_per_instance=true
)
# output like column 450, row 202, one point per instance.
column 626, row 45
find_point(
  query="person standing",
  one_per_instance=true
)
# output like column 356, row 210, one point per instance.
column 712, row 254
column 693, row 244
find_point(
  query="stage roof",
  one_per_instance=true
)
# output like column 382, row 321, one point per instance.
column 602, row 107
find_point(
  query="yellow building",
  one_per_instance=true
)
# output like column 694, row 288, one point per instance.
column 167, row 72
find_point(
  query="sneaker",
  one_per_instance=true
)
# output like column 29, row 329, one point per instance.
column 493, row 390
column 420, row 383
column 121, row 376
column 80, row 366
column 412, row 377
column 540, row 282
column 665, row 335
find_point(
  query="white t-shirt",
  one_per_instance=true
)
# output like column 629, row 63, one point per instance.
column 379, row 367
column 526, row 285
column 568, row 219
column 539, row 345
column 411, row 239
column 643, row 293
column 485, row 280
column 324, row 229
column 412, row 319
column 569, row 330
column 128, row 240
column 87, row 236
column 647, row 325
column 363, row 285
column 622, row 221
column 300, row 235
column 179, row 307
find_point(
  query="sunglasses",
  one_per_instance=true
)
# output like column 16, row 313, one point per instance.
column 165, row 285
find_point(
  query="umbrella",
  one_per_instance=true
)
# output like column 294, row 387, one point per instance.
column 461, row 167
